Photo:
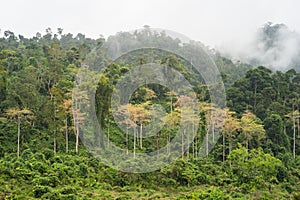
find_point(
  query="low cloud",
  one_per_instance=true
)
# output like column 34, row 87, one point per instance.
column 273, row 45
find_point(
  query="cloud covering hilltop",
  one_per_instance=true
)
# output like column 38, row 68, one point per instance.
column 273, row 45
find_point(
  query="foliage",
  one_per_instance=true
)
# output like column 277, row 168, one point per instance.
column 41, row 155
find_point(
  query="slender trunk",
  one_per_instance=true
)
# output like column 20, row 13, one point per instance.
column 54, row 141
column 77, row 138
column 108, row 134
column 54, row 120
column 76, row 128
column 182, row 145
column 157, row 145
column 97, row 135
column 126, row 140
column 196, row 147
column 213, row 132
column 67, row 137
column 188, row 144
column 194, row 138
column 48, row 86
column 223, row 135
column 134, row 141
column 171, row 106
column 141, row 136
column 294, row 137
column 230, row 144
column 298, row 123
column 19, row 134
column 206, row 144
column 193, row 148
column 168, row 143
column 75, row 132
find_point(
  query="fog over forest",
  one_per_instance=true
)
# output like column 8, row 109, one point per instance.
column 272, row 45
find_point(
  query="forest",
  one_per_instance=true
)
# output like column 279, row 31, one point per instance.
column 254, row 155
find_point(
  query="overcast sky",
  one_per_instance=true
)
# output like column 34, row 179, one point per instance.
column 212, row 22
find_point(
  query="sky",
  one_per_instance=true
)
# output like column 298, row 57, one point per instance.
column 211, row 22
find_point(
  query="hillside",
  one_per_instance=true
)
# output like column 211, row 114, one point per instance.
column 44, row 127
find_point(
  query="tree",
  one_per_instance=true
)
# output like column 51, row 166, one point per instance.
column 251, row 127
column 172, row 120
column 133, row 116
column 18, row 115
column 254, row 168
column 103, row 97
column 3, row 83
column 123, row 118
column 231, row 126
column 189, row 119
column 138, row 115
column 78, row 116
column 23, row 90
column 67, row 107
column 171, row 95
column 213, row 121
column 274, row 127
column 294, row 116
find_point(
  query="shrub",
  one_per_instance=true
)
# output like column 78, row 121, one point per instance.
column 39, row 191
column 26, row 154
column 51, row 180
column 68, row 197
column 68, row 190
column 123, row 197
column 83, row 170
column 40, row 157
column 48, row 153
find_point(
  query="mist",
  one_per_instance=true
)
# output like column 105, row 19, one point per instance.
column 273, row 45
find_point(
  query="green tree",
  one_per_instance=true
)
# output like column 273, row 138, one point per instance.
column 231, row 126
column 251, row 127
column 273, row 125
column 18, row 115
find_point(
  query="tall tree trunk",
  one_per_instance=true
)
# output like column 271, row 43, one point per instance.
column 134, row 141
column 141, row 136
column 67, row 137
column 230, row 144
column 77, row 138
column 223, row 154
column 194, row 138
column 19, row 134
column 196, row 147
column 168, row 143
column 206, row 144
column 298, row 125
column 294, row 136
column 157, row 145
column 193, row 148
column 108, row 134
column 54, row 141
column 126, row 140
column 54, row 120
column 75, row 132
column 213, row 131
column 171, row 106
column 182, row 143
column 188, row 144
